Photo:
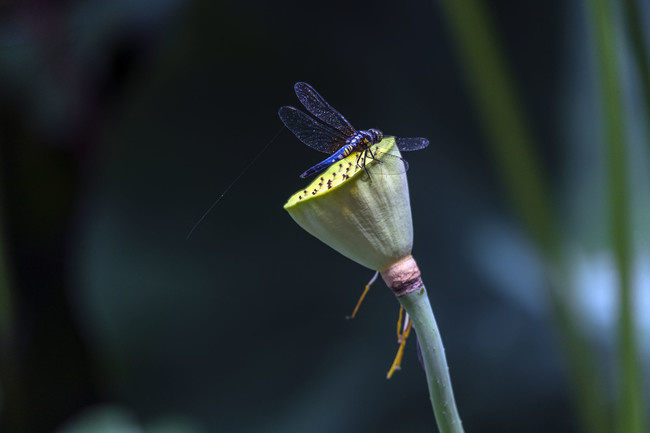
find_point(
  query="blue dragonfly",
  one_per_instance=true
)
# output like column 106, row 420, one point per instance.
column 331, row 133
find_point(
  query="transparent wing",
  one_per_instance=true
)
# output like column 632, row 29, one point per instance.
column 314, row 134
column 382, row 161
column 412, row 143
column 391, row 162
column 317, row 106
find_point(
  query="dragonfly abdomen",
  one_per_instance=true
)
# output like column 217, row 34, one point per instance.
column 336, row 156
column 358, row 142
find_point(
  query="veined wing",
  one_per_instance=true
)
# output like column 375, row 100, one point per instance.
column 390, row 161
column 317, row 106
column 314, row 134
column 411, row 143
column 386, row 161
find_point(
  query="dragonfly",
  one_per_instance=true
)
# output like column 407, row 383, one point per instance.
column 329, row 132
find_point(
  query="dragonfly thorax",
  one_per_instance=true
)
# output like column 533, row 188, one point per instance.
column 367, row 138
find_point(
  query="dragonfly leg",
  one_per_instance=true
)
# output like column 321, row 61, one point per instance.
column 373, row 155
column 367, row 173
column 364, row 155
column 359, row 159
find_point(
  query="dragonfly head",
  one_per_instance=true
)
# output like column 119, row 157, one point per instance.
column 375, row 135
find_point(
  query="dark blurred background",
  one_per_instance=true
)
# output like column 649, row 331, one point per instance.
column 121, row 121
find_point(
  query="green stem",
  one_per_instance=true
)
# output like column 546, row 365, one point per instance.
column 634, row 30
column 501, row 114
column 590, row 402
column 419, row 309
column 630, row 416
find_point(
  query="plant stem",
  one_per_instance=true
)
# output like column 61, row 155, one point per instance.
column 630, row 408
column 495, row 96
column 417, row 305
column 634, row 28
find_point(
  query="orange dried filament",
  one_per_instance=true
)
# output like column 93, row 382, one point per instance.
column 363, row 295
column 403, row 332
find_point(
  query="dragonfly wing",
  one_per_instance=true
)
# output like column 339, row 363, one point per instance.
column 391, row 162
column 386, row 161
column 411, row 143
column 314, row 134
column 317, row 106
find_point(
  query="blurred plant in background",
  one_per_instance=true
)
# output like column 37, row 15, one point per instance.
column 514, row 152
column 117, row 120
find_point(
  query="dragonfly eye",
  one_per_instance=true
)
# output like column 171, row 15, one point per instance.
column 377, row 135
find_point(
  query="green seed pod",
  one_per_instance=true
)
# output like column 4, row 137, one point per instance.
column 366, row 219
